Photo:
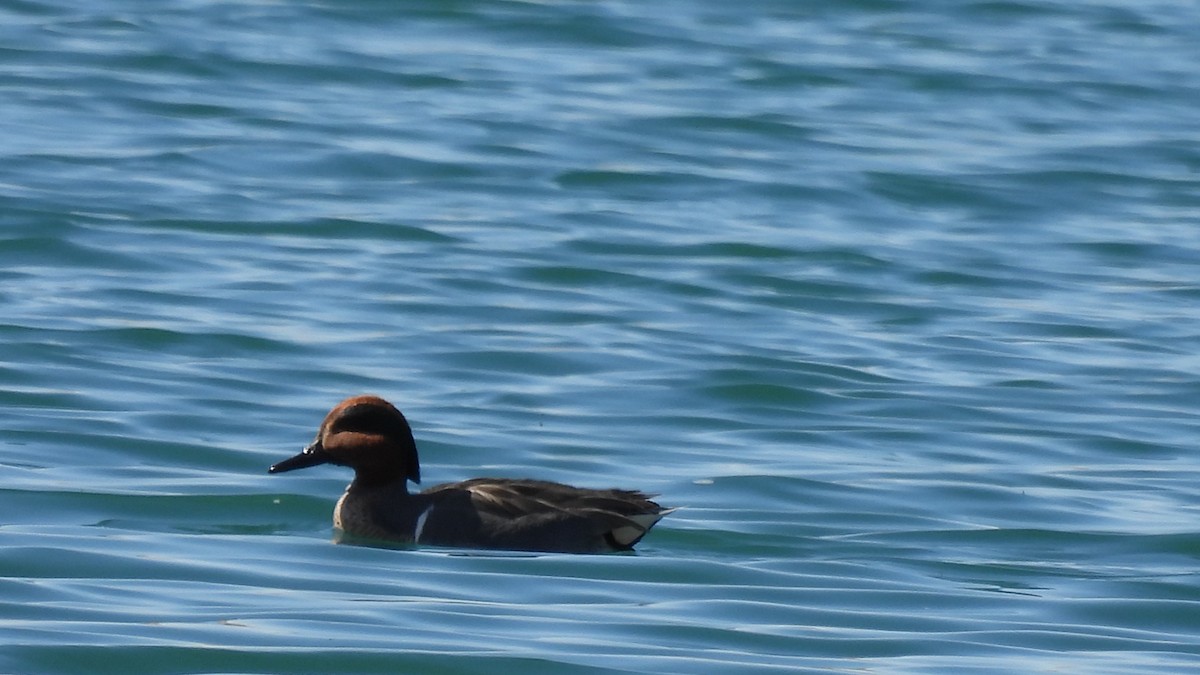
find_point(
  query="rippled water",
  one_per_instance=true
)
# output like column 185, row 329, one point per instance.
column 897, row 299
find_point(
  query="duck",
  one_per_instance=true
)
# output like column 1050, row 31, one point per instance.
column 372, row 437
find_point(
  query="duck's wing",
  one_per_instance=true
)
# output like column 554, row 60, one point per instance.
column 540, row 515
column 522, row 497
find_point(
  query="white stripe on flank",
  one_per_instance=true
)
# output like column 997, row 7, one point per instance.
column 421, row 524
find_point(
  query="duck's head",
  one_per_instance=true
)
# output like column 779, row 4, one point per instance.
column 367, row 434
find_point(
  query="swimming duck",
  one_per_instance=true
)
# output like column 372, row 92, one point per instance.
column 369, row 435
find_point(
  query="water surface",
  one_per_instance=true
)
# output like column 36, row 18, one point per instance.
column 897, row 299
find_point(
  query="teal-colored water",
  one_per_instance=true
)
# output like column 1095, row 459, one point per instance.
column 897, row 299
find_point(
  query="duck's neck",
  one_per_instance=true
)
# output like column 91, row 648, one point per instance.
column 374, row 483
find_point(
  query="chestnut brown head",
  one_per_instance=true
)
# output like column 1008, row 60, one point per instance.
column 367, row 434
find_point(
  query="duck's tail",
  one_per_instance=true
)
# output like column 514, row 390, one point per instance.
column 629, row 533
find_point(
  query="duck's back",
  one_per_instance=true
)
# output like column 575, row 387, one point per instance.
column 535, row 516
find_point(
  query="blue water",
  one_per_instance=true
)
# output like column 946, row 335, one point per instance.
column 897, row 299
